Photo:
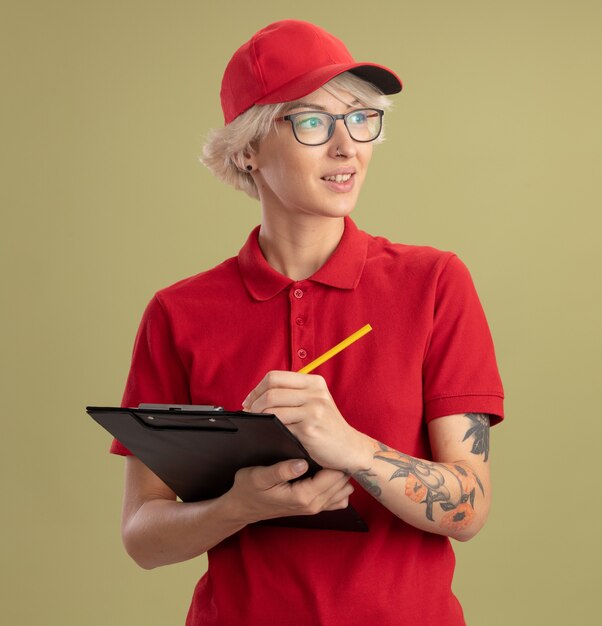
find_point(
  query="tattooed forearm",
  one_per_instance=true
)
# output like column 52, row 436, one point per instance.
column 479, row 429
column 365, row 479
column 433, row 483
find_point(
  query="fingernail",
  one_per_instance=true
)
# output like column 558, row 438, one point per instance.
column 299, row 467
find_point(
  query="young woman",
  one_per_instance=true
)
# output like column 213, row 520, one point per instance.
column 399, row 422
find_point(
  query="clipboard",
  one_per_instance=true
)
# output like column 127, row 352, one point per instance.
column 197, row 450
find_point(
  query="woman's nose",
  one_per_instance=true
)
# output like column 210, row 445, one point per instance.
column 340, row 144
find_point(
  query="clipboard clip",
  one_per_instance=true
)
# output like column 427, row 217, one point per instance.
column 180, row 407
column 191, row 417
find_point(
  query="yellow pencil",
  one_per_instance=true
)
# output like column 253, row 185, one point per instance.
column 340, row 346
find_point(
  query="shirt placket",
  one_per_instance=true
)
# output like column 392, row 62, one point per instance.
column 301, row 324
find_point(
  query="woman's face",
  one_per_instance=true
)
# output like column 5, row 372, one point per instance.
column 295, row 179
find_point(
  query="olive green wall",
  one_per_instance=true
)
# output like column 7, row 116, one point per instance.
column 492, row 151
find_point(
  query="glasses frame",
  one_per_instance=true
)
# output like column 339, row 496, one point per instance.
column 341, row 116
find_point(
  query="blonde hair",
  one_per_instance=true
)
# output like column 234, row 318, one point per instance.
column 225, row 148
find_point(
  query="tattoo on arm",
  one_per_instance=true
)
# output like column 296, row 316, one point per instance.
column 364, row 477
column 479, row 429
column 426, row 484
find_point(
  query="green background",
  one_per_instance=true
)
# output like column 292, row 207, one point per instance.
column 492, row 152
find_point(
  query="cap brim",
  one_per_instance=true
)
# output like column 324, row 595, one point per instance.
column 383, row 78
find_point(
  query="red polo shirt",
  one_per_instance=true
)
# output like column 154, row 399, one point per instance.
column 211, row 338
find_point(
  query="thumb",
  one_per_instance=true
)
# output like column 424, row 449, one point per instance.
column 280, row 473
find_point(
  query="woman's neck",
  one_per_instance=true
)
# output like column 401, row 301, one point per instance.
column 299, row 248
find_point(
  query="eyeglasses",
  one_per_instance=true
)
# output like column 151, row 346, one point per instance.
column 314, row 128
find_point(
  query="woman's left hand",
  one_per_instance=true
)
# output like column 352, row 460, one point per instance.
column 303, row 403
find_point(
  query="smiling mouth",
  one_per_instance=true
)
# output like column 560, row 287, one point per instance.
column 339, row 178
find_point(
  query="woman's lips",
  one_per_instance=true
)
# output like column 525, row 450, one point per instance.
column 340, row 183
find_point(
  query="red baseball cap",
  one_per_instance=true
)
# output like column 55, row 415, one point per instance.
column 288, row 60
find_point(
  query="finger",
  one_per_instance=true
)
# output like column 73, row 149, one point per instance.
column 322, row 487
column 335, row 493
column 264, row 478
column 337, row 497
column 342, row 495
column 276, row 379
column 339, row 504
column 278, row 397
column 291, row 418
column 328, row 481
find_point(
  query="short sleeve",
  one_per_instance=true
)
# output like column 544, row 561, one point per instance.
column 157, row 374
column 460, row 373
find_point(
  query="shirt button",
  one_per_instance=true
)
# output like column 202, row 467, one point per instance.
column 298, row 293
column 301, row 353
column 299, row 321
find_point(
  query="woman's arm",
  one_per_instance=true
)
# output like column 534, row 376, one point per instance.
column 449, row 495
column 158, row 530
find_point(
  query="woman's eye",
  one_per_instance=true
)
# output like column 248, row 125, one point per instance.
column 358, row 117
column 309, row 123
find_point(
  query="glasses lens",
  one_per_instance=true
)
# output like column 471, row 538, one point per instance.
column 363, row 124
column 312, row 128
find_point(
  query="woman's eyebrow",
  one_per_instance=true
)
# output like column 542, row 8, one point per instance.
column 313, row 106
column 304, row 105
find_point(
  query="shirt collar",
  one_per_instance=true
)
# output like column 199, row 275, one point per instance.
column 342, row 270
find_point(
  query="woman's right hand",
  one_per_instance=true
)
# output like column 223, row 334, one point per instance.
column 157, row 529
column 261, row 493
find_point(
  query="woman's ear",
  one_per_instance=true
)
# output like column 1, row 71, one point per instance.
column 250, row 160
column 245, row 160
